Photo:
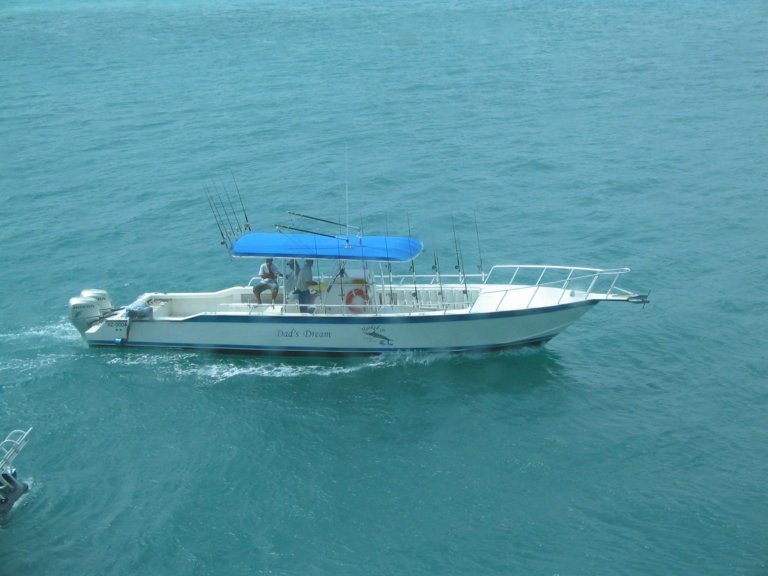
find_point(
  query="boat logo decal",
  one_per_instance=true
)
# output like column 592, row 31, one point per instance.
column 376, row 332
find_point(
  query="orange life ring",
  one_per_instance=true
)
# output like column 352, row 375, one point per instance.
column 352, row 295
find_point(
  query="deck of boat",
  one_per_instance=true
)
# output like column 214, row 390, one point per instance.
column 387, row 300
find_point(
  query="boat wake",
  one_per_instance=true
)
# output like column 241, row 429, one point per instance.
column 25, row 365
column 212, row 369
column 222, row 372
column 37, row 347
column 59, row 331
column 414, row 358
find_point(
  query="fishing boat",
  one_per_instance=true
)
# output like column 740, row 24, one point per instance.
column 359, row 302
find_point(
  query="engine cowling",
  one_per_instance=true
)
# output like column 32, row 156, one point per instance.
column 102, row 297
column 83, row 312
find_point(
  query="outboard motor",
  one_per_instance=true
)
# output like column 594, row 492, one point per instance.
column 102, row 297
column 87, row 308
column 83, row 312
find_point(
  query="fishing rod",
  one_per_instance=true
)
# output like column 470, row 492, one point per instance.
column 236, row 228
column 215, row 208
column 413, row 266
column 247, row 224
column 231, row 206
column 224, row 240
column 231, row 231
column 283, row 226
column 479, row 248
column 459, row 258
column 389, row 262
column 324, row 220
column 436, row 268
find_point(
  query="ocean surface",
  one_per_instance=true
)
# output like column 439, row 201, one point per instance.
column 587, row 133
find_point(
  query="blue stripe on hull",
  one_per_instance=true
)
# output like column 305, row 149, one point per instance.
column 373, row 319
column 297, row 351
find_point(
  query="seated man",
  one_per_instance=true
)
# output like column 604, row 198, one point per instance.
column 268, row 273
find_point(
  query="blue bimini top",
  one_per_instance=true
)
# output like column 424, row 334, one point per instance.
column 320, row 247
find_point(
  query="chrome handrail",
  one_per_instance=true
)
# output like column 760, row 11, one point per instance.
column 11, row 446
column 577, row 280
column 574, row 274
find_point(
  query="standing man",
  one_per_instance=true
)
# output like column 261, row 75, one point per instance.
column 303, row 282
column 290, row 277
column 268, row 273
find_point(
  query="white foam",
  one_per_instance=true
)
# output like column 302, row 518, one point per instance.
column 59, row 331
column 20, row 365
column 223, row 371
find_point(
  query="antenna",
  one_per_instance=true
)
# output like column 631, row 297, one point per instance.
column 346, row 183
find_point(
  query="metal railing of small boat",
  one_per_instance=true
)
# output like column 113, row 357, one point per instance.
column 11, row 446
column 576, row 280
column 583, row 280
column 436, row 303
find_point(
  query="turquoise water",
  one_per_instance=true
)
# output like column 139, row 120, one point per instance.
column 577, row 133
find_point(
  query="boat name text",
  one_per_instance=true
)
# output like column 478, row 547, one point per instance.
column 294, row 333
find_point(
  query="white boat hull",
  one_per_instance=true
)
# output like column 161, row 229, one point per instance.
column 294, row 333
column 355, row 314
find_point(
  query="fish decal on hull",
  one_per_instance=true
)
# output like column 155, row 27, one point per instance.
column 376, row 333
